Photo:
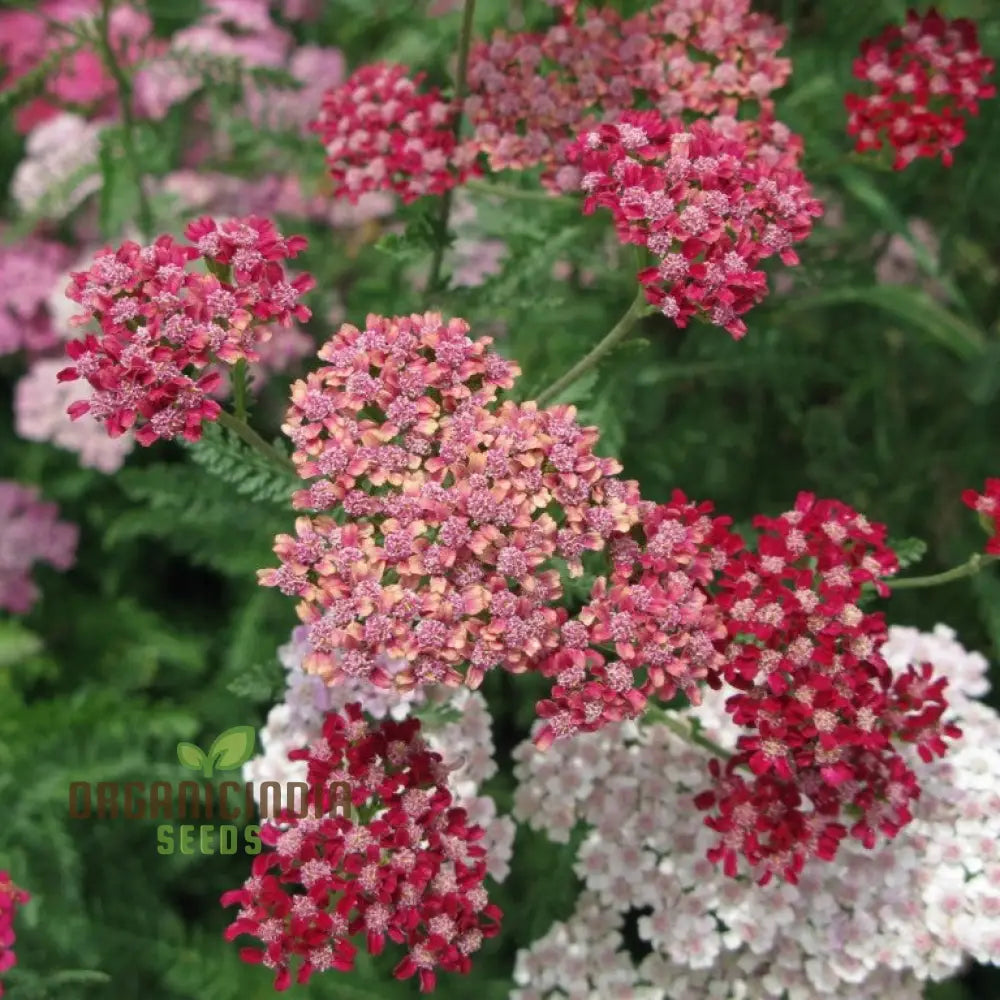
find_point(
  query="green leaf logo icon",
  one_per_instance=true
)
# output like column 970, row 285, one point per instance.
column 230, row 750
column 191, row 756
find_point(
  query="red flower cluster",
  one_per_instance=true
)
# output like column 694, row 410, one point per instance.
column 987, row 505
column 164, row 327
column 650, row 630
column 11, row 897
column 412, row 874
column 821, row 704
column 531, row 94
column 925, row 74
column 698, row 200
column 383, row 134
column 457, row 507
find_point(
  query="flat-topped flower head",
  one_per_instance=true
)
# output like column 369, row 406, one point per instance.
column 824, row 714
column 925, row 78
column 408, row 870
column 459, row 509
column 167, row 330
column 384, row 132
column 704, row 201
column 531, row 94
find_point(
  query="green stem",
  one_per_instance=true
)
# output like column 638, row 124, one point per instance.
column 637, row 309
column 249, row 436
column 969, row 568
column 510, row 192
column 128, row 120
column 464, row 43
column 685, row 731
column 240, row 390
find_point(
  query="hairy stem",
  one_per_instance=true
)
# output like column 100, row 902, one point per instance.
column 684, row 730
column 464, row 43
column 969, row 568
column 145, row 220
column 250, row 437
column 636, row 310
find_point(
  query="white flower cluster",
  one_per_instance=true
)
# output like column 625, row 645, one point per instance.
column 871, row 924
column 463, row 737
column 60, row 167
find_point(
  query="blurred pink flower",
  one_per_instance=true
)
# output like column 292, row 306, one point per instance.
column 29, row 534
column 28, row 271
column 40, row 404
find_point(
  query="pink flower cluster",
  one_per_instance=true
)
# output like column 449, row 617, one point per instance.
column 531, row 94
column 11, row 897
column 650, row 630
column 80, row 80
column 708, row 209
column 987, row 505
column 382, row 133
column 926, row 75
column 460, row 510
column 821, row 704
column 28, row 270
column 29, row 533
column 412, row 873
column 165, row 328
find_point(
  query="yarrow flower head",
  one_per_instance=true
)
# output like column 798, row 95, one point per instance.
column 699, row 199
column 456, row 503
column 656, row 613
column 987, row 506
column 383, row 133
column 11, row 898
column 412, row 873
column 824, row 711
column 927, row 75
column 29, row 533
column 165, row 328
column 531, row 94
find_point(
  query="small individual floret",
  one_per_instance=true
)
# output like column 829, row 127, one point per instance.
column 29, row 534
column 706, row 208
column 411, row 873
column 987, row 505
column 382, row 133
column 927, row 76
column 165, row 328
